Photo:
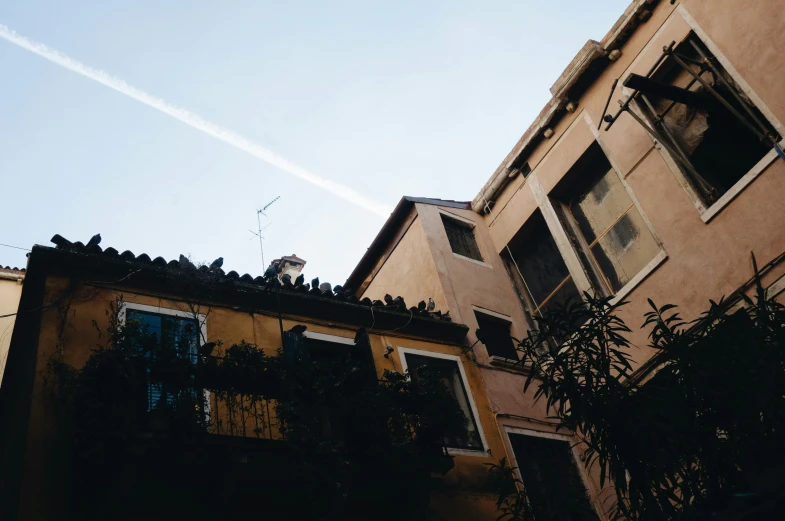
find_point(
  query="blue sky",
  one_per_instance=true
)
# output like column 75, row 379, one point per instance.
column 391, row 98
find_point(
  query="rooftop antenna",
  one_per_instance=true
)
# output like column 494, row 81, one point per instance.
column 259, row 231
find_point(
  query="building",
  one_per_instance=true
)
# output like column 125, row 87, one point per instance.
column 67, row 302
column 653, row 172
column 10, row 291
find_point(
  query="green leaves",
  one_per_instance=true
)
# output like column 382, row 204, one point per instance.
column 679, row 442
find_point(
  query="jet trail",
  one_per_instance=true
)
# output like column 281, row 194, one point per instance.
column 194, row 120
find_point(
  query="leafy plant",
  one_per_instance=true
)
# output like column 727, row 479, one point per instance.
column 335, row 421
column 702, row 435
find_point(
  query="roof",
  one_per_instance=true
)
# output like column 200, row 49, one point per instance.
column 582, row 71
column 14, row 269
column 388, row 231
column 184, row 279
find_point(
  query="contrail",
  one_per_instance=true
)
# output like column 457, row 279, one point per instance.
column 195, row 121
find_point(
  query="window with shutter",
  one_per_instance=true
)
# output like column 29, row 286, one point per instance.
column 461, row 238
column 176, row 338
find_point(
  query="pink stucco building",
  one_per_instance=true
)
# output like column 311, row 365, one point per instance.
column 653, row 172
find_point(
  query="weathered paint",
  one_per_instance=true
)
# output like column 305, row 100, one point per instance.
column 412, row 272
column 706, row 253
column 10, row 293
column 73, row 340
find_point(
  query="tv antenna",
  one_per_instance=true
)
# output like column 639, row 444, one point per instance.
column 258, row 233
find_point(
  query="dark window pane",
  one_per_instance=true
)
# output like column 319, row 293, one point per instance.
column 495, row 335
column 567, row 294
column 625, row 250
column 451, row 378
column 601, row 204
column 175, row 337
column 551, row 479
column 539, row 260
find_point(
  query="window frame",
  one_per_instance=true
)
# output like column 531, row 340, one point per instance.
column 468, row 224
column 484, row 450
column 707, row 213
column 581, row 468
column 601, row 285
column 158, row 310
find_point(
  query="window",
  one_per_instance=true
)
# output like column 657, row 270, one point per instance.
column 533, row 256
column 461, row 237
column 611, row 230
column 710, row 127
column 551, row 479
column 495, row 334
column 451, row 375
column 176, row 337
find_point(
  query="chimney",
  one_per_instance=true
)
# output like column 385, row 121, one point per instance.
column 288, row 264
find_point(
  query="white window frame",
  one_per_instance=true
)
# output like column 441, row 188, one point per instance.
column 158, row 310
column 482, row 452
column 707, row 213
column 593, row 497
column 323, row 337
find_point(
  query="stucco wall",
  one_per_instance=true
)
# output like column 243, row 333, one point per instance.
column 44, row 450
column 10, row 292
column 704, row 259
column 409, row 272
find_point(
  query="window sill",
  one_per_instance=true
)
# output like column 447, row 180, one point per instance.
column 481, row 263
column 477, row 453
column 709, row 213
column 637, row 279
column 507, row 363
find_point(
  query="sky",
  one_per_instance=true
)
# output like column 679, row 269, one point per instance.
column 420, row 98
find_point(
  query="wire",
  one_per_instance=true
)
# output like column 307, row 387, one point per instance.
column 74, row 289
column 15, row 247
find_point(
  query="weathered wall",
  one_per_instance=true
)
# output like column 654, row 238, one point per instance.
column 10, row 293
column 704, row 259
column 409, row 272
column 77, row 335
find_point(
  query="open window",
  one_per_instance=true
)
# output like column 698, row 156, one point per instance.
column 461, row 237
column 541, row 277
column 551, row 478
column 709, row 126
column 604, row 223
column 494, row 333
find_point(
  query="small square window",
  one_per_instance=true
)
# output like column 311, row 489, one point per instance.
column 461, row 237
column 494, row 333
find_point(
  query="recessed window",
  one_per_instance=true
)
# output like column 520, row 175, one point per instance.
column 494, row 333
column 534, row 257
column 174, row 336
column 551, row 478
column 611, row 229
column 461, row 237
column 450, row 374
column 710, row 127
